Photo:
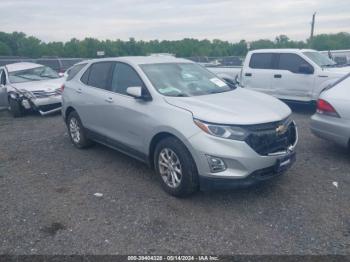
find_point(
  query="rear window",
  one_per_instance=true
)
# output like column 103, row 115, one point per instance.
column 261, row 61
column 74, row 71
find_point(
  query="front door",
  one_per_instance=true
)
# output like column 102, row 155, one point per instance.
column 289, row 82
column 127, row 118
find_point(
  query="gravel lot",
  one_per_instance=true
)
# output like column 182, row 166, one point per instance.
column 48, row 205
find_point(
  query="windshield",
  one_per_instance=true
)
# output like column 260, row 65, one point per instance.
column 319, row 59
column 183, row 79
column 33, row 74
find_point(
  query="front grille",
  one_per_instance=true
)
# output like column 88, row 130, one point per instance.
column 265, row 139
column 49, row 107
column 43, row 94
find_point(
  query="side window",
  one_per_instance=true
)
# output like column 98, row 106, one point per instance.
column 99, row 74
column 124, row 76
column 85, row 76
column 261, row 61
column 291, row 62
column 74, row 71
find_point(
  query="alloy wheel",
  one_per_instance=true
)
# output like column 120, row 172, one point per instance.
column 74, row 129
column 170, row 167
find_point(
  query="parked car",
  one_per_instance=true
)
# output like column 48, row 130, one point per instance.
column 60, row 65
column 181, row 119
column 28, row 86
column 290, row 74
column 332, row 119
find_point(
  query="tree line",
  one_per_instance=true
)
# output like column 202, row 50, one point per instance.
column 19, row 44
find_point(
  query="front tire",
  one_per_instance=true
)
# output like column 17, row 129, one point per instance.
column 15, row 108
column 77, row 132
column 175, row 167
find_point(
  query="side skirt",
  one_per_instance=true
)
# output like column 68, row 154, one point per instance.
column 111, row 143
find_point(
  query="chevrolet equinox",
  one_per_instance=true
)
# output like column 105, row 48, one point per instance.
column 194, row 129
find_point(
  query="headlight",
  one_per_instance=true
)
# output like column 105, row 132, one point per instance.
column 26, row 93
column 229, row 132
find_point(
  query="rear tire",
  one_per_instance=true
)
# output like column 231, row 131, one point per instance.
column 15, row 108
column 175, row 167
column 77, row 131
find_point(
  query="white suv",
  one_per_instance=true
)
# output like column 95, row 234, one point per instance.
column 290, row 74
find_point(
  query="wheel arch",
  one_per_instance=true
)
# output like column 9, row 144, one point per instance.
column 69, row 110
column 160, row 136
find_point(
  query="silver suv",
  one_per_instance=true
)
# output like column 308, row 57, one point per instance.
column 194, row 129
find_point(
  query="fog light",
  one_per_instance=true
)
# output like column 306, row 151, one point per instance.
column 216, row 164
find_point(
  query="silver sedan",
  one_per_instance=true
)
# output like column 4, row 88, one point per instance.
column 332, row 119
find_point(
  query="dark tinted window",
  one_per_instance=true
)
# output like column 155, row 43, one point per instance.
column 74, row 71
column 99, row 74
column 291, row 62
column 124, row 76
column 261, row 61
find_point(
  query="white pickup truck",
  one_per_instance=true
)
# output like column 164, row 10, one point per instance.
column 288, row 74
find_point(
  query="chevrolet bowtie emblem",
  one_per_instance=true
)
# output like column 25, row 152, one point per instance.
column 280, row 130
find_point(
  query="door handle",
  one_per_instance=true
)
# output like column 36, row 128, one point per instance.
column 277, row 76
column 248, row 74
column 109, row 100
column 79, row 90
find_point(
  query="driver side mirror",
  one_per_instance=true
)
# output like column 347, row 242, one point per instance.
column 306, row 69
column 137, row 92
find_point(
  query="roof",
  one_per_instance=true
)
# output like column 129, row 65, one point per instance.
column 283, row 50
column 140, row 60
column 21, row 66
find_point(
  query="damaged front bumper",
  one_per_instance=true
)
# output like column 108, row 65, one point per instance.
column 44, row 105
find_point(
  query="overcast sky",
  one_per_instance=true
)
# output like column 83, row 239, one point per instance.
column 60, row 20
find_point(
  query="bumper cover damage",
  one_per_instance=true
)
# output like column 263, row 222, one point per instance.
column 45, row 105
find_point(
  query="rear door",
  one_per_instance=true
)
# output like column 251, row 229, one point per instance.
column 288, row 82
column 92, row 94
column 257, row 75
column 3, row 90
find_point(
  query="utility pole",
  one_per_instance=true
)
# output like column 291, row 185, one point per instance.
column 312, row 27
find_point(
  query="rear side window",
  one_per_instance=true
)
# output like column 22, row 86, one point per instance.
column 124, row 76
column 261, row 61
column 98, row 75
column 85, row 77
column 291, row 62
column 74, row 71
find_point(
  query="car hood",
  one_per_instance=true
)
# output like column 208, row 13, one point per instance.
column 237, row 107
column 338, row 70
column 44, row 85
